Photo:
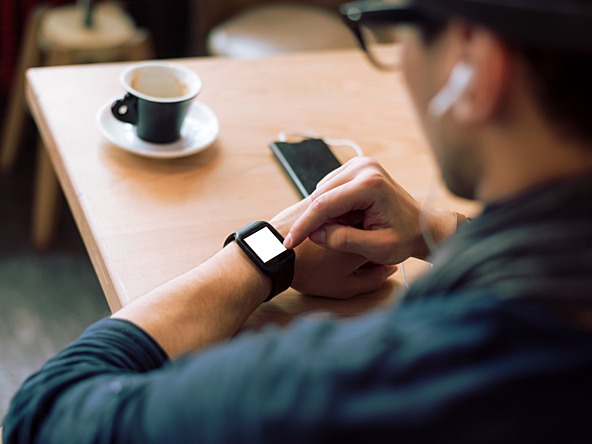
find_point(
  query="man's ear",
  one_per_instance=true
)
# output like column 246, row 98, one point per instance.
column 485, row 93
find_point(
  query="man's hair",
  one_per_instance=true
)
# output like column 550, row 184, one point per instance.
column 562, row 86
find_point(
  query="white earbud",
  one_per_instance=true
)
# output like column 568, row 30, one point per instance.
column 459, row 79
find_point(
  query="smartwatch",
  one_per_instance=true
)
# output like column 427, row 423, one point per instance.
column 264, row 246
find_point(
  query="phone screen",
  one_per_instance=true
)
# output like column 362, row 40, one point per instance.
column 306, row 162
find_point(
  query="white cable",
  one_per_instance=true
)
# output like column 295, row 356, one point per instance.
column 283, row 136
column 423, row 222
column 405, row 281
column 346, row 142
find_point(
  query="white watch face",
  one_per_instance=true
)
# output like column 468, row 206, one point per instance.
column 265, row 244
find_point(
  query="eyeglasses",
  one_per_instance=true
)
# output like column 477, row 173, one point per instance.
column 379, row 25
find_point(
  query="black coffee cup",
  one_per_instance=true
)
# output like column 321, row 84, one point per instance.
column 157, row 101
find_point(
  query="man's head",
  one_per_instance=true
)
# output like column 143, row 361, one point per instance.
column 496, row 82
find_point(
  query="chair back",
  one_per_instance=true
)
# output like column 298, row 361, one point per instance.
column 210, row 14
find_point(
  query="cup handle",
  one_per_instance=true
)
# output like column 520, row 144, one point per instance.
column 125, row 109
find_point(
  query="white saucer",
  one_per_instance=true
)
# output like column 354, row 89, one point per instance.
column 199, row 131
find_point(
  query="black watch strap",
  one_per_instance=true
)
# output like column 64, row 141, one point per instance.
column 281, row 271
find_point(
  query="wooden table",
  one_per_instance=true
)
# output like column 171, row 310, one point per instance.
column 145, row 221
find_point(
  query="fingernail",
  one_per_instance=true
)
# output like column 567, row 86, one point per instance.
column 288, row 241
column 319, row 237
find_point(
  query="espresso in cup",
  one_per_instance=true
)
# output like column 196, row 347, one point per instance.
column 157, row 101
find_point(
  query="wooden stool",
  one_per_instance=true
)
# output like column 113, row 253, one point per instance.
column 278, row 28
column 58, row 36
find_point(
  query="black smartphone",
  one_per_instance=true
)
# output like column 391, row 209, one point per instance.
column 306, row 162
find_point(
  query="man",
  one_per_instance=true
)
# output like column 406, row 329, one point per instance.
column 492, row 345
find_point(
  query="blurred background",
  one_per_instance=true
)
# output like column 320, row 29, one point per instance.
column 49, row 292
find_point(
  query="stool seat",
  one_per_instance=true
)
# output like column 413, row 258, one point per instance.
column 279, row 28
column 64, row 28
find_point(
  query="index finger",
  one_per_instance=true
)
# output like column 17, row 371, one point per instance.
column 326, row 208
column 332, row 174
column 339, row 176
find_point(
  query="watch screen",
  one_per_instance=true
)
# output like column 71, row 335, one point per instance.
column 265, row 244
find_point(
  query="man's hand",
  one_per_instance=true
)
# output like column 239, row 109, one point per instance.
column 320, row 271
column 390, row 230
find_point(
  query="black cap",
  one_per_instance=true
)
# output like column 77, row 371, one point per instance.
column 563, row 25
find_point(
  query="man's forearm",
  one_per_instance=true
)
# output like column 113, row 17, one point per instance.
column 203, row 306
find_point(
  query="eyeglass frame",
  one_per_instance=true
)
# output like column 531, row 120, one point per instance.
column 357, row 13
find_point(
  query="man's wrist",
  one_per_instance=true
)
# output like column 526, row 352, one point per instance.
column 440, row 223
column 250, row 276
column 461, row 219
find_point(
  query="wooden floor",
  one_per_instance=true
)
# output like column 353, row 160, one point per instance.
column 46, row 299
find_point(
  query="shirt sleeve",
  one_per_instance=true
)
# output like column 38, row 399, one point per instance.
column 109, row 356
column 438, row 370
